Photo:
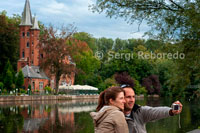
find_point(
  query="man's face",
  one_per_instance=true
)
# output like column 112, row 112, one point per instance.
column 129, row 98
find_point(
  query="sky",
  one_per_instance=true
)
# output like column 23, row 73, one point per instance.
column 65, row 12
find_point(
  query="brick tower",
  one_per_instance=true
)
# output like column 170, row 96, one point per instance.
column 30, row 55
column 29, row 38
column 29, row 52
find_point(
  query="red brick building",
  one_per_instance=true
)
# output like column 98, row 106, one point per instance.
column 30, row 54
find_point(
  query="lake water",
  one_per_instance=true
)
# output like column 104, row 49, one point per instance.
column 73, row 116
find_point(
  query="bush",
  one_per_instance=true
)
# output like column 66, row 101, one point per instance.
column 22, row 91
column 1, row 86
column 48, row 89
column 4, row 92
column 139, row 89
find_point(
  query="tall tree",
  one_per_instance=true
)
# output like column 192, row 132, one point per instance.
column 104, row 44
column 20, row 79
column 8, row 67
column 8, row 80
column 9, row 39
column 119, row 44
column 86, row 37
column 170, row 20
column 58, row 49
column 88, row 66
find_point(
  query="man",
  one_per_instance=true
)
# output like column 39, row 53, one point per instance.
column 138, row 116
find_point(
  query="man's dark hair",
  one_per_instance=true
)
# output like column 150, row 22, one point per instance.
column 124, row 79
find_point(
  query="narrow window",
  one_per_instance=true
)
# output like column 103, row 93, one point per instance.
column 33, row 85
column 23, row 34
column 41, row 55
column 23, row 54
column 27, row 44
column 41, row 85
column 28, row 34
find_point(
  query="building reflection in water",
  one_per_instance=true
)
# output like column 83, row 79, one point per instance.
column 52, row 117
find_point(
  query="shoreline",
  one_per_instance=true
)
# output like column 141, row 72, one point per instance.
column 46, row 97
column 54, row 97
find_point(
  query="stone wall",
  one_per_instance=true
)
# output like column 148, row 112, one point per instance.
column 41, row 98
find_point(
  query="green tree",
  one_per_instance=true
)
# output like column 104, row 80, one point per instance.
column 1, row 86
column 174, row 21
column 119, row 44
column 124, row 60
column 104, row 44
column 20, row 79
column 8, row 80
column 86, row 37
column 9, row 40
column 87, row 65
column 153, row 45
column 133, row 43
column 9, row 67
column 139, row 90
column 170, row 18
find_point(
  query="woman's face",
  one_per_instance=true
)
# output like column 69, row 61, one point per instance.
column 119, row 101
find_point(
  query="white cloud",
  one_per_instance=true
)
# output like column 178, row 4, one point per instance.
column 53, row 8
column 59, row 12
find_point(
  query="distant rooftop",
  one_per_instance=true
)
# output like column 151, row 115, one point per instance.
column 33, row 72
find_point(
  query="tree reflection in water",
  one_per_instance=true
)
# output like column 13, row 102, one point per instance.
column 62, row 116
column 73, row 116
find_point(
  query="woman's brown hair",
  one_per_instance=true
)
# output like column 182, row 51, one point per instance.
column 106, row 95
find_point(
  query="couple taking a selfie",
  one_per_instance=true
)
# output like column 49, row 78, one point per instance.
column 117, row 112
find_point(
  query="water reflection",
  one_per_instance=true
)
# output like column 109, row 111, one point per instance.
column 45, row 116
column 73, row 116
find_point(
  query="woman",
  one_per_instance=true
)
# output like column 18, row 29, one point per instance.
column 109, row 117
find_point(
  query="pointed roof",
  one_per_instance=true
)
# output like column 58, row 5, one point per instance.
column 35, row 24
column 26, row 15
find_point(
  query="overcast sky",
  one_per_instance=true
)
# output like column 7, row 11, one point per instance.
column 59, row 12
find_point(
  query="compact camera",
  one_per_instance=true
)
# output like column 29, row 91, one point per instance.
column 175, row 106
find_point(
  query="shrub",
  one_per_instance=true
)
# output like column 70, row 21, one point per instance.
column 139, row 89
column 1, row 86
column 48, row 89
column 22, row 91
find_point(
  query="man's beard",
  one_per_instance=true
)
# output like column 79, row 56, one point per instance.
column 127, row 109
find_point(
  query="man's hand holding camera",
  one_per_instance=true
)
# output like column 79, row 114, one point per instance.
column 176, row 108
